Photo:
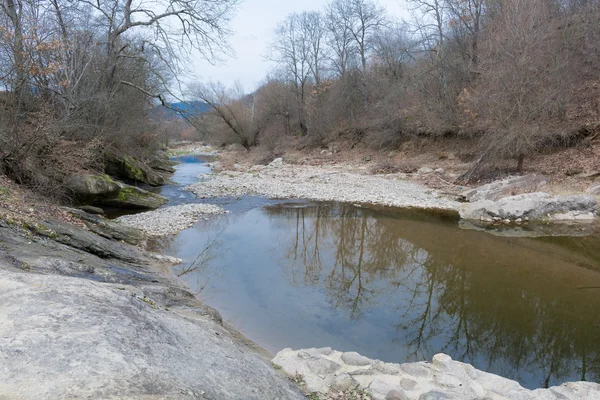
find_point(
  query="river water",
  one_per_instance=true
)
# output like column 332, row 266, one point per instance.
column 395, row 285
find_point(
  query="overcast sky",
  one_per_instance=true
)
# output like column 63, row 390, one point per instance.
column 253, row 26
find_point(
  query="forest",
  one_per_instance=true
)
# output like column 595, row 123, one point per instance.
column 81, row 80
column 512, row 77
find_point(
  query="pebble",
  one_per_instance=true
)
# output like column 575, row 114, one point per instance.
column 169, row 220
column 323, row 183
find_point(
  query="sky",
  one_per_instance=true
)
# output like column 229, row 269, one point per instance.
column 254, row 25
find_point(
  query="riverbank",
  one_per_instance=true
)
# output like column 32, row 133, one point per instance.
column 89, row 315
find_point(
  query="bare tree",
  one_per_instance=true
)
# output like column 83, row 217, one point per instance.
column 229, row 108
column 340, row 40
column 314, row 31
column 291, row 50
column 367, row 17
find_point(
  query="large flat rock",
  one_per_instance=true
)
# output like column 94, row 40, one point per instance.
column 63, row 337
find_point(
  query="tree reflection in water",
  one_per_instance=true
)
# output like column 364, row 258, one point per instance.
column 511, row 306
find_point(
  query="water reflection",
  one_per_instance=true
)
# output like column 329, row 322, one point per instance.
column 404, row 287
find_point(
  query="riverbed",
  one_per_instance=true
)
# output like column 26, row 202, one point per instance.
column 393, row 284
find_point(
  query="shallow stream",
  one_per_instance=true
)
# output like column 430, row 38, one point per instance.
column 395, row 285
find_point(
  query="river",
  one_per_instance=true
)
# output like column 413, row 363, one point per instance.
column 394, row 285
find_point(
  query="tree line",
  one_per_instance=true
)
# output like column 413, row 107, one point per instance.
column 79, row 78
column 517, row 76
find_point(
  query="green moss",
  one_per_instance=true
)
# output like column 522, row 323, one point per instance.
column 127, row 193
column 4, row 191
column 132, row 170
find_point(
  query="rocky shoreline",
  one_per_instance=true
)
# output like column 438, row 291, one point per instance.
column 326, row 373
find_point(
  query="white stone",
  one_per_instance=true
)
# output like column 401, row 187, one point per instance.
column 425, row 170
column 276, row 163
column 442, row 361
column 408, row 384
column 353, row 358
column 541, row 206
column 440, row 171
column 396, row 395
column 447, row 381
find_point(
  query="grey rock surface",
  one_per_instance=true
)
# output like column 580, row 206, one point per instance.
column 532, row 206
column 443, row 378
column 63, row 337
column 92, row 185
column 506, row 187
column 108, row 228
column 136, row 198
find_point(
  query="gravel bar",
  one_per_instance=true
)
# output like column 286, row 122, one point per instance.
column 169, row 220
column 322, row 184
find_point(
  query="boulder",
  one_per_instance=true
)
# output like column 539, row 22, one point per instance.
column 276, row 163
column 505, row 187
column 162, row 163
column 136, row 198
column 92, row 210
column 89, row 187
column 531, row 206
column 235, row 147
column 425, row 170
column 107, row 228
column 130, row 169
column 594, row 190
column 73, row 338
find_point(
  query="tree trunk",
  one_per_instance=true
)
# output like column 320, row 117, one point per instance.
column 521, row 159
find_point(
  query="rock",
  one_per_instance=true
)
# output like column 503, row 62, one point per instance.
column 353, row 358
column 416, row 370
column 434, row 395
column 396, row 395
column 134, row 197
column 162, row 162
column 131, row 169
column 367, row 158
column 109, row 229
column 441, row 379
column 380, row 389
column 594, row 190
column 63, row 337
column 440, row 171
column 322, row 366
column 236, row 147
column 91, row 187
column 92, row 210
column 442, row 361
column 408, row 384
column 343, row 382
column 573, row 171
column 535, row 206
column 590, row 175
column 276, row 163
column 447, row 381
column 425, row 170
column 505, row 187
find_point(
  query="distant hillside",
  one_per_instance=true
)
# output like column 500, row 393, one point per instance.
column 192, row 108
